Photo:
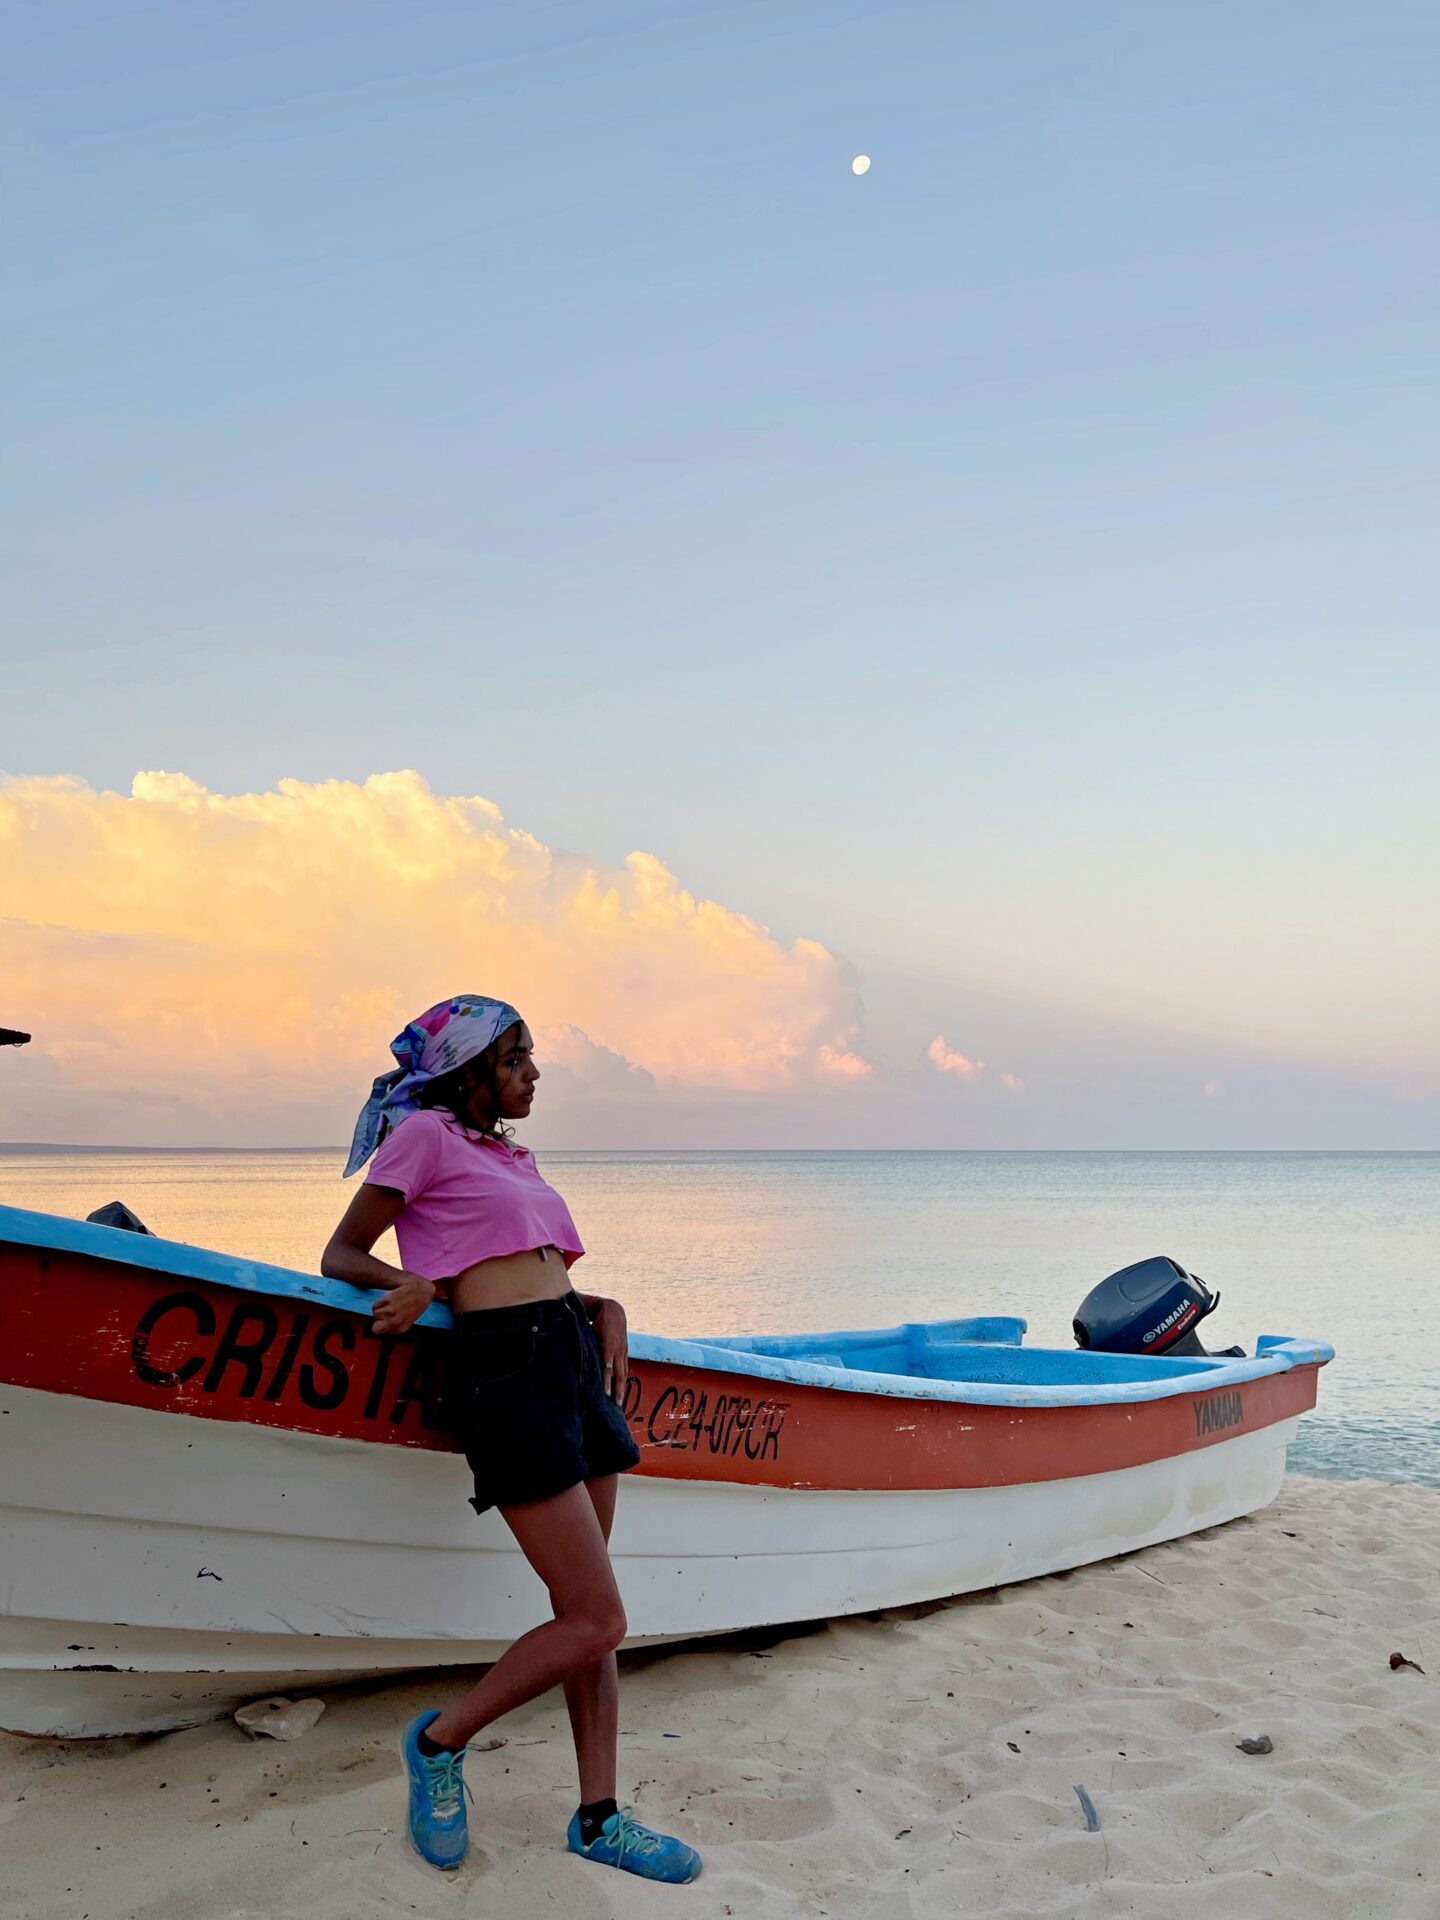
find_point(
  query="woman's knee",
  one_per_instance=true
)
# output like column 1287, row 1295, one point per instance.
column 600, row 1627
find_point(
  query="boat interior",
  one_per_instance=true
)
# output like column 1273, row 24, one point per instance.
column 981, row 1350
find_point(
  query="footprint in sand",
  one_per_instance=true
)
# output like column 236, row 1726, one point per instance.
column 788, row 1816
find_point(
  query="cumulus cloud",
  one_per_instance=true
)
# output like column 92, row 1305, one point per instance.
column 840, row 1063
column 250, row 955
column 595, row 1069
column 949, row 1061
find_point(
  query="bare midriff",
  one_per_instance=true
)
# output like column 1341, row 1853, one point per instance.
column 509, row 1280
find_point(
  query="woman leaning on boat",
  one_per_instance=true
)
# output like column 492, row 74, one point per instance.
column 536, row 1371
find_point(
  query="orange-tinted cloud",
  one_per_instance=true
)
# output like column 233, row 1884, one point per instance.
column 949, row 1061
column 255, row 952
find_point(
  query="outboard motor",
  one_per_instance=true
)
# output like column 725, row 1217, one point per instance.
column 1153, row 1307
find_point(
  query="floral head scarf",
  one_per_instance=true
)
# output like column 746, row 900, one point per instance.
column 442, row 1038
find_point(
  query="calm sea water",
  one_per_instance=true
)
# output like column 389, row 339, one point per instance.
column 1342, row 1246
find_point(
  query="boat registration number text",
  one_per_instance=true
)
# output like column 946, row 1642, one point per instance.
column 187, row 1344
column 692, row 1420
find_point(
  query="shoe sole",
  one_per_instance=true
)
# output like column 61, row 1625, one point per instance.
column 688, row 1881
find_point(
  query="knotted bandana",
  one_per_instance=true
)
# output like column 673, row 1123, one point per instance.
column 444, row 1037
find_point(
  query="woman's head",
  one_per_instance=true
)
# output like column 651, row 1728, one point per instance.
column 437, row 1047
column 493, row 1087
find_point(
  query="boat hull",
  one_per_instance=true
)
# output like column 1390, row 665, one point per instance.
column 216, row 1482
column 247, row 1561
column 84, row 1327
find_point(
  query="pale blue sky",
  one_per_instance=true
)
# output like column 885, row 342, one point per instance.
column 1015, row 568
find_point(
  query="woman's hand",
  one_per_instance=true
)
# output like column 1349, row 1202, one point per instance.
column 397, row 1311
column 611, row 1329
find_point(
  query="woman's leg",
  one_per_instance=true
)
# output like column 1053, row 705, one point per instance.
column 562, row 1539
column 592, row 1693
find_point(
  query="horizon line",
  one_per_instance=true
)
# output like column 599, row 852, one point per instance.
column 57, row 1146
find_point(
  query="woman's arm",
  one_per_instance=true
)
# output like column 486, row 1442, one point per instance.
column 348, row 1257
column 612, row 1330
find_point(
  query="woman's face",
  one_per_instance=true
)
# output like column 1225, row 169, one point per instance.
column 515, row 1072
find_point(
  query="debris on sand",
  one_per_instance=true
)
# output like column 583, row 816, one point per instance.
column 282, row 1719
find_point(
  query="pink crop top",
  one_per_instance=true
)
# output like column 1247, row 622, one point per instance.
column 467, row 1197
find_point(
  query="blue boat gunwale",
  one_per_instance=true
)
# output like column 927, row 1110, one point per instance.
column 735, row 1354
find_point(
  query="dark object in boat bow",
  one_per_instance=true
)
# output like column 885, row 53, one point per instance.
column 115, row 1213
column 12, row 1037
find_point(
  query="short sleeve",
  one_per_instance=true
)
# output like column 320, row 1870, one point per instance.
column 406, row 1158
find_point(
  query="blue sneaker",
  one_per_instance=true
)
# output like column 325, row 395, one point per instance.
column 438, row 1828
column 622, row 1842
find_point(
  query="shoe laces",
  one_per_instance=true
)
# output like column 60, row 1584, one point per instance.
column 630, row 1837
column 445, row 1782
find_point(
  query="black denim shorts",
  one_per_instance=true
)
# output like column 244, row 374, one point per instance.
column 526, row 1397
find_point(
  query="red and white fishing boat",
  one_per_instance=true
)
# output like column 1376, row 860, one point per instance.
column 217, row 1483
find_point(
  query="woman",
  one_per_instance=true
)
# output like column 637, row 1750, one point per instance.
column 537, row 1370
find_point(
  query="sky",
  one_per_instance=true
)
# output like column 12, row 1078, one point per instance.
column 939, row 658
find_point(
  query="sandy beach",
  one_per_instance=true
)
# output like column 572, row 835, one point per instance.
column 921, row 1762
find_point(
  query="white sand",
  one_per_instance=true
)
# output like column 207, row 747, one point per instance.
column 920, row 1763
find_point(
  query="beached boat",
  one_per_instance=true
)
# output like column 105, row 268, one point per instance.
column 217, row 1483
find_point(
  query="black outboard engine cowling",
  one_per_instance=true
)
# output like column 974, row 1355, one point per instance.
column 1152, row 1307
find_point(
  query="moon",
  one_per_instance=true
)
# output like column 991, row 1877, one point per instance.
column 860, row 164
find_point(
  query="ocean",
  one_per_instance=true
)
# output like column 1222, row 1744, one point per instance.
column 1341, row 1246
